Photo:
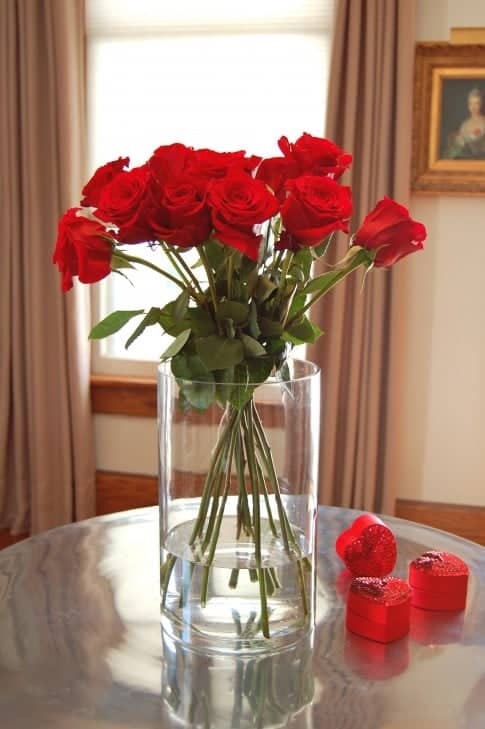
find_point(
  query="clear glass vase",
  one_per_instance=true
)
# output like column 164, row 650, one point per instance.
column 238, row 504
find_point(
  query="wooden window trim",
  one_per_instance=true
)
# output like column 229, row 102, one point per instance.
column 118, row 395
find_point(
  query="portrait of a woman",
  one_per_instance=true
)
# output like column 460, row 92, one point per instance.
column 468, row 142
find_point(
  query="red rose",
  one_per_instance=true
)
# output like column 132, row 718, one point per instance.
column 92, row 190
column 81, row 249
column 315, row 207
column 316, row 156
column 390, row 229
column 207, row 164
column 275, row 172
column 128, row 201
column 170, row 161
column 239, row 202
column 183, row 217
column 307, row 156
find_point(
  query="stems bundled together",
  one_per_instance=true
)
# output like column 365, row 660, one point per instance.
column 242, row 447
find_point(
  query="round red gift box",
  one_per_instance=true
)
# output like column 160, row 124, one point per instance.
column 379, row 608
column 439, row 581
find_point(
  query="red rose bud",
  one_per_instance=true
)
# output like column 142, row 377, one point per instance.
column 439, row 581
column 92, row 190
column 314, row 208
column 368, row 548
column 390, row 231
column 81, row 249
column 239, row 202
column 379, row 608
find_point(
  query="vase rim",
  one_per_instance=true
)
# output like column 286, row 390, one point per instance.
column 306, row 370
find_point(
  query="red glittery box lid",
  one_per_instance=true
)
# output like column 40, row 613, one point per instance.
column 439, row 573
column 384, row 600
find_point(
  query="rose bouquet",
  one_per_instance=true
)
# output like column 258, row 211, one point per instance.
column 256, row 227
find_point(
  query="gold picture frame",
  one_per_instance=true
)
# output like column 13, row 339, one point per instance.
column 449, row 119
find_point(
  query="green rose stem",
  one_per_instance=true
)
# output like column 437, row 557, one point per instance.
column 148, row 264
column 249, row 440
column 214, row 535
column 284, row 271
column 210, row 276
column 243, row 513
column 178, row 263
column 361, row 257
column 242, row 441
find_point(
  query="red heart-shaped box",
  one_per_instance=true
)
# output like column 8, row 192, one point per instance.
column 379, row 608
column 368, row 547
column 439, row 581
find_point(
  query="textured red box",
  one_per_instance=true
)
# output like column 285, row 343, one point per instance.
column 379, row 608
column 439, row 581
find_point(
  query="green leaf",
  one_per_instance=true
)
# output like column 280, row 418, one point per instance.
column 175, row 346
column 319, row 251
column 251, row 281
column 264, row 289
column 252, row 348
column 215, row 253
column 113, row 323
column 276, row 346
column 247, row 377
column 270, row 328
column 234, row 310
column 259, row 369
column 322, row 283
column 151, row 318
column 169, row 323
column 217, row 353
column 224, row 380
column 200, row 394
column 254, row 328
column 118, row 262
column 302, row 331
column 197, row 385
column 229, row 328
column 297, row 305
column 304, row 260
column 189, row 367
column 181, row 305
column 201, row 322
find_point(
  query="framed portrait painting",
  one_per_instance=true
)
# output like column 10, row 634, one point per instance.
column 449, row 119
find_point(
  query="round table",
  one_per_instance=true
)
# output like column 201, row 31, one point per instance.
column 81, row 646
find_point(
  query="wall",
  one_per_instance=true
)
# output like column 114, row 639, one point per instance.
column 443, row 420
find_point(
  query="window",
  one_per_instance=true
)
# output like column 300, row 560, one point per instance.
column 209, row 74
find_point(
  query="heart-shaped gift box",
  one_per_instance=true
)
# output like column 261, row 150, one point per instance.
column 368, row 547
column 439, row 581
column 379, row 608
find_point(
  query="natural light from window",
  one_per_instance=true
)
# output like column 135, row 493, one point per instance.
column 208, row 74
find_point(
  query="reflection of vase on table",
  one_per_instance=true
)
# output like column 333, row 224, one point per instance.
column 217, row 692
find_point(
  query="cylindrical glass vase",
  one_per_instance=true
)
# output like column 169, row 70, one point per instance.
column 238, row 504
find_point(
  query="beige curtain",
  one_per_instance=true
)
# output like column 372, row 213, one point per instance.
column 369, row 114
column 46, row 451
